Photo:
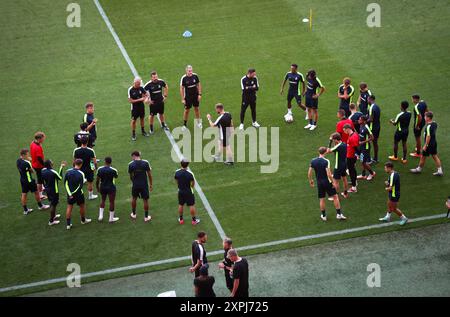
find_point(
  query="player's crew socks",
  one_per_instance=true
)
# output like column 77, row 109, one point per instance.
column 25, row 208
column 111, row 215
column 371, row 172
column 83, row 219
column 194, row 218
column 133, row 211
column 91, row 193
column 151, row 127
column 146, row 213
column 134, row 132
column 388, row 215
column 39, row 204
column 311, row 122
column 324, row 213
column 185, row 123
column 68, row 221
column 100, row 213
column 338, row 211
column 440, row 170
column 314, row 123
column 181, row 217
column 142, row 129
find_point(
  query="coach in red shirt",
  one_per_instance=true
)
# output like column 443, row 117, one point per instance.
column 37, row 159
column 352, row 147
column 340, row 125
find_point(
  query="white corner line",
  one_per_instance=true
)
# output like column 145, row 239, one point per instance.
column 249, row 247
column 169, row 135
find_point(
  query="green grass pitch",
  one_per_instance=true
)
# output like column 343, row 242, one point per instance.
column 48, row 71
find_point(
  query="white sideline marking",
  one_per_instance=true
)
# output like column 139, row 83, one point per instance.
column 169, row 135
column 250, row 247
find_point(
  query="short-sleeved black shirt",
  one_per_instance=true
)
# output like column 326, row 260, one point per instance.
column 88, row 118
column 430, row 130
column 241, row 272
column 107, row 176
column 189, row 84
column 136, row 93
column 198, row 253
column 320, row 165
column 25, row 170
column 184, row 179
column 138, row 171
column 155, row 89
column 87, row 155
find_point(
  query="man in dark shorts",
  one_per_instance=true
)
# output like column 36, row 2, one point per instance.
column 73, row 182
column 420, row 108
column 186, row 181
column 294, row 78
column 83, row 133
column 203, row 284
column 191, row 94
column 393, row 189
column 91, row 121
column 312, row 95
column 430, row 146
column 324, row 186
column 240, row 275
column 225, row 124
column 27, row 182
column 51, row 178
column 345, row 95
column 401, row 123
column 340, row 165
column 136, row 96
column 157, row 90
column 365, row 138
column 249, row 86
column 198, row 255
column 87, row 155
column 106, row 186
column 37, row 160
column 140, row 171
column 374, row 125
column 227, row 264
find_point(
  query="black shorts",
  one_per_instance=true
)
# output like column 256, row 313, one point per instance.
column 28, row 186
column 338, row 173
column 376, row 132
column 157, row 108
column 89, row 174
column 325, row 188
column 138, row 111
column 312, row 103
column 140, row 192
column 187, row 198
column 297, row 97
column 395, row 199
column 401, row 136
column 190, row 101
column 107, row 190
column 53, row 198
column 418, row 133
column 431, row 150
column 38, row 175
column 77, row 198
column 364, row 156
column 346, row 108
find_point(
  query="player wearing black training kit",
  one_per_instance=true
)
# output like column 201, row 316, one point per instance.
column 157, row 91
column 420, row 108
column 401, row 123
column 91, row 121
column 191, row 94
column 73, row 182
column 186, row 182
column 312, row 95
column 51, row 179
column 136, row 96
column 139, row 171
column 225, row 124
column 345, row 95
column 340, row 165
column 393, row 189
column 106, row 186
column 374, row 124
column 87, row 155
column 321, row 166
column 363, row 100
column 198, row 255
column 83, row 133
column 27, row 182
column 249, row 86
column 295, row 79
column 365, row 138
column 355, row 115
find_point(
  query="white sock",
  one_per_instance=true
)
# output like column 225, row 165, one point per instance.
column 440, row 170
column 111, row 215
column 100, row 212
column 419, row 168
column 289, row 111
column 388, row 215
column 91, row 193
column 403, row 217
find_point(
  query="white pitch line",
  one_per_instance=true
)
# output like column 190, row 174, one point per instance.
column 169, row 135
column 249, row 247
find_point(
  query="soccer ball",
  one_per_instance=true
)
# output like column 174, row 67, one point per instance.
column 288, row 118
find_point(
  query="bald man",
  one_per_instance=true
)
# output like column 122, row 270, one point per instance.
column 136, row 96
